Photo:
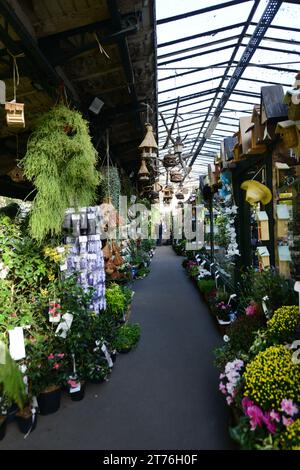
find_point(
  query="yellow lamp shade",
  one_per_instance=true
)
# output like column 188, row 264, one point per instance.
column 256, row 192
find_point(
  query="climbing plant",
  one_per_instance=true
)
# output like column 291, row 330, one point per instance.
column 60, row 162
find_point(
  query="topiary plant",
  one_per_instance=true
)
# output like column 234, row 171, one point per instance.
column 60, row 162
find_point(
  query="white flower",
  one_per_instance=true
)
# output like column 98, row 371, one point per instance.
column 226, row 338
column 3, row 271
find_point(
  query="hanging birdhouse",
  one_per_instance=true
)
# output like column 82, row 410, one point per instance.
column 283, row 218
column 288, row 132
column 170, row 160
column 143, row 173
column 292, row 100
column 149, row 145
column 176, row 176
column 263, row 257
column 285, row 259
column 282, row 170
column 272, row 107
column 15, row 115
column 262, row 225
column 178, row 146
column 179, row 195
column 16, row 174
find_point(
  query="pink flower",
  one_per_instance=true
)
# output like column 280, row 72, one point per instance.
column 56, row 366
column 51, row 356
column 275, row 416
column 250, row 310
column 72, row 383
column 222, row 388
column 222, row 376
column 287, row 421
column 61, row 355
column 288, row 407
column 229, row 400
column 256, row 416
column 246, row 402
column 271, row 427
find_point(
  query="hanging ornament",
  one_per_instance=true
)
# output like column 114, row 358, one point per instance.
column 148, row 145
column 143, row 173
column 170, row 160
column 176, row 176
column 256, row 192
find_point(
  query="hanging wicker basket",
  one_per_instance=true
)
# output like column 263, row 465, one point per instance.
column 179, row 195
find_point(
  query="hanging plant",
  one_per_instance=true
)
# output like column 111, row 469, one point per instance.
column 60, row 162
column 110, row 185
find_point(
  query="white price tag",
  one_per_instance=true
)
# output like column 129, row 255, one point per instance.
column 16, row 343
column 75, row 389
column 107, row 355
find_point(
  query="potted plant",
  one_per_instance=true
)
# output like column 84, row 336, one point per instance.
column 99, row 371
column 26, row 419
column 76, row 388
column 4, row 405
column 127, row 337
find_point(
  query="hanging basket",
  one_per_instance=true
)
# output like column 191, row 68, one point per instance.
column 107, row 254
column 110, row 267
column 179, row 195
column 176, row 176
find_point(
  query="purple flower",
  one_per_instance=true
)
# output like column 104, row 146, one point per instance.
column 250, row 310
column 256, row 416
column 246, row 402
column 222, row 388
column 288, row 407
column 222, row 376
column 287, row 421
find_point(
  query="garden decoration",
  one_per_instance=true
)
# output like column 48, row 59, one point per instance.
column 60, row 161
column 15, row 111
column 256, row 192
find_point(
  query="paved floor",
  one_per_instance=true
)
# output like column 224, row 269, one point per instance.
column 163, row 395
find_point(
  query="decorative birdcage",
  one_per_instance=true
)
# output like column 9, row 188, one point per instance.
column 15, row 115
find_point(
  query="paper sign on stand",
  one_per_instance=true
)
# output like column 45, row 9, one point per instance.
column 107, row 355
column 16, row 343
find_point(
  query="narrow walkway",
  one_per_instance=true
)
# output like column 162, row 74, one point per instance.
column 163, row 395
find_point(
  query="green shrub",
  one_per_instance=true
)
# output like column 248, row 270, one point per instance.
column 127, row 337
column 206, row 286
column 115, row 301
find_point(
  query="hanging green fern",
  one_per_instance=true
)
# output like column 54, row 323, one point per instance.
column 11, row 380
column 60, row 162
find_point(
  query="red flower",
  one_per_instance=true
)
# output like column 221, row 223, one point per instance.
column 56, row 366
column 51, row 356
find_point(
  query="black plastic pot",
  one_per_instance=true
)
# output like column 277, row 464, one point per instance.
column 78, row 396
column 97, row 381
column 113, row 355
column 49, row 402
column 25, row 424
column 3, row 428
column 123, row 351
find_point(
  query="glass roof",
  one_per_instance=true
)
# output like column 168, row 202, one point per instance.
column 194, row 53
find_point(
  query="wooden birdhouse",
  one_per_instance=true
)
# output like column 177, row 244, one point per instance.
column 283, row 216
column 15, row 115
column 272, row 107
column 281, row 171
column 262, row 225
column 284, row 257
column 244, row 135
column 149, row 145
column 263, row 257
column 258, row 127
column 237, row 148
column 170, row 160
column 176, row 176
column 292, row 100
column 143, row 173
column 288, row 132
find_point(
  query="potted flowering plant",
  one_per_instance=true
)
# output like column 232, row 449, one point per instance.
column 47, row 371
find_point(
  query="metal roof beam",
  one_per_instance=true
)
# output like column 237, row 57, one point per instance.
column 199, row 12
column 195, row 69
column 189, row 84
column 198, row 46
column 200, row 35
column 189, row 97
column 181, row 59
